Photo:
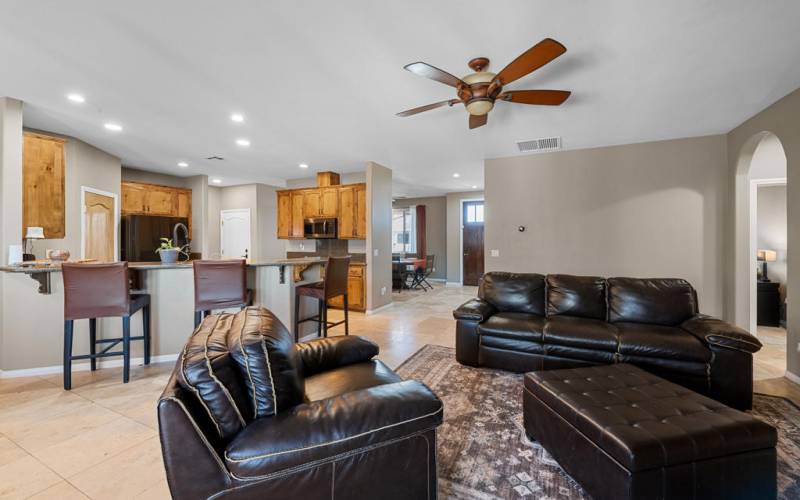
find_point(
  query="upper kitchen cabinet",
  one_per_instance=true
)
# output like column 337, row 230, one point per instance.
column 139, row 198
column 43, row 184
column 353, row 212
column 348, row 204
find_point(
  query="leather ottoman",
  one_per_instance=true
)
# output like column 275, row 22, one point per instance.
column 622, row 432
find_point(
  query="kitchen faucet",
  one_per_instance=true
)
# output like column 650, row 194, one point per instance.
column 185, row 233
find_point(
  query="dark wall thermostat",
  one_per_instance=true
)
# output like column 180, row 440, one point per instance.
column 521, row 229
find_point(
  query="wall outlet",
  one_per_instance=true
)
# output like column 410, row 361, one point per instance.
column 302, row 246
column 798, row 347
column 495, row 253
column 383, row 290
column 375, row 252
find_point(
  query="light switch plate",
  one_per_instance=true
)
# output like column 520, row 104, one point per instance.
column 495, row 253
column 375, row 252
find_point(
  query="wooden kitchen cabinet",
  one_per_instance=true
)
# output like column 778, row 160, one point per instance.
column 311, row 203
column 356, row 290
column 43, row 184
column 329, row 202
column 140, row 198
column 284, row 214
column 298, row 221
column 353, row 212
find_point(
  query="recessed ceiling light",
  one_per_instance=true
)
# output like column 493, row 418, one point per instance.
column 237, row 117
column 216, row 181
column 456, row 175
column 242, row 142
column 303, row 165
column 76, row 98
column 474, row 187
column 114, row 127
column 183, row 164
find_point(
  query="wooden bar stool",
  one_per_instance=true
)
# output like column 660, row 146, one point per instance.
column 219, row 284
column 334, row 284
column 94, row 291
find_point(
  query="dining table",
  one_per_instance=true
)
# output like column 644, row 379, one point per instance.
column 402, row 267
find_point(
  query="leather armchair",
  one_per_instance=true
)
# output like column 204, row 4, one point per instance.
column 361, row 432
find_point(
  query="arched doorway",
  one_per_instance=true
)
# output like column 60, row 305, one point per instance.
column 761, row 164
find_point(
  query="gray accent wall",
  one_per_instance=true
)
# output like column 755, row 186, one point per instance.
column 435, row 229
column 653, row 209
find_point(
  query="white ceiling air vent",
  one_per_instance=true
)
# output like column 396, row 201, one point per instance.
column 540, row 145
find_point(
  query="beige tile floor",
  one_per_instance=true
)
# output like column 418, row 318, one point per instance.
column 100, row 440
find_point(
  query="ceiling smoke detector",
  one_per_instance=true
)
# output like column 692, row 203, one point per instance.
column 543, row 145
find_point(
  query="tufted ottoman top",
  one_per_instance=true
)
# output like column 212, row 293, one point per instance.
column 643, row 421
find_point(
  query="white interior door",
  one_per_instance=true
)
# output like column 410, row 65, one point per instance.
column 234, row 233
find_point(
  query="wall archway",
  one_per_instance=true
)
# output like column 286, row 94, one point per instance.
column 761, row 161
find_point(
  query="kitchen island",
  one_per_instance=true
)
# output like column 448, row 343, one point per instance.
column 37, row 339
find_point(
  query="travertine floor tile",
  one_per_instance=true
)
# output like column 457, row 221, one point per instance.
column 24, row 477
column 61, row 491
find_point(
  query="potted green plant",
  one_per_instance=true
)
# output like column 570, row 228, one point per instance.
column 169, row 253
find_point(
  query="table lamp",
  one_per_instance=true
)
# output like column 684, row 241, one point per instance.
column 766, row 256
column 33, row 233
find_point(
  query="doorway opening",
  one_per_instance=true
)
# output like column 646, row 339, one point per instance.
column 761, row 249
column 234, row 234
column 472, row 218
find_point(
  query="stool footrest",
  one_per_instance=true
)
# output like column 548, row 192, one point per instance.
column 98, row 355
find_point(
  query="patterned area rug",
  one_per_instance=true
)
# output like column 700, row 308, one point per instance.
column 483, row 450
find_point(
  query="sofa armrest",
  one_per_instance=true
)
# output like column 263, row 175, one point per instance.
column 320, row 355
column 474, row 310
column 320, row 430
column 716, row 332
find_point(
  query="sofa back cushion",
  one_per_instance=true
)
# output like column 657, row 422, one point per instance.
column 266, row 356
column 205, row 368
column 656, row 301
column 514, row 292
column 580, row 296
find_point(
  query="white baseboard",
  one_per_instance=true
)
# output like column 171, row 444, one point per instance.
column 82, row 367
column 370, row 312
column 437, row 280
column 792, row 377
column 452, row 284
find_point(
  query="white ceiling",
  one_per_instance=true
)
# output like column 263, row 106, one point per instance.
column 320, row 81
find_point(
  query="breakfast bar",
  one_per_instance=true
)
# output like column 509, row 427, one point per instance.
column 37, row 339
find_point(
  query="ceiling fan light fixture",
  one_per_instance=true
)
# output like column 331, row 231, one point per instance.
column 479, row 77
column 480, row 107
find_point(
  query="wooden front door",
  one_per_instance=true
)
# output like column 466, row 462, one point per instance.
column 98, row 227
column 473, row 242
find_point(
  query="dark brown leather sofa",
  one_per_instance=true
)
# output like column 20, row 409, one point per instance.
column 530, row 322
column 248, row 413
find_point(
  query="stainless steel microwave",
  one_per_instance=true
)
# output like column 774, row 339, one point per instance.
column 320, row 228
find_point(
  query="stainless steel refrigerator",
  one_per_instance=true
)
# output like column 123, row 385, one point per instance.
column 141, row 235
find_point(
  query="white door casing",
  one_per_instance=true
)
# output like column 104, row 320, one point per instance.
column 234, row 232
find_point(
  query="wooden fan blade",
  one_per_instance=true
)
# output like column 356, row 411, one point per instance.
column 476, row 121
column 532, row 59
column 427, row 107
column 540, row 97
column 434, row 73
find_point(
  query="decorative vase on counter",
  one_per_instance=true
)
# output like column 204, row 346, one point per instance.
column 58, row 255
column 168, row 256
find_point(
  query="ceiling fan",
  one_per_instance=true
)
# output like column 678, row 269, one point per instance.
column 478, row 91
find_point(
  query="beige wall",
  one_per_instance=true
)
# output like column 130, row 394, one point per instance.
column 262, row 202
column 435, row 229
column 379, row 236
column 454, row 260
column 212, row 250
column 771, row 229
column 783, row 120
column 646, row 210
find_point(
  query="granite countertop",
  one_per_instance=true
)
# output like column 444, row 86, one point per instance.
column 150, row 266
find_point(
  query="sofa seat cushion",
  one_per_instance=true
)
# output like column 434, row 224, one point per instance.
column 583, row 333
column 323, row 430
column 643, row 421
column 514, row 325
column 349, row 378
column 665, row 342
